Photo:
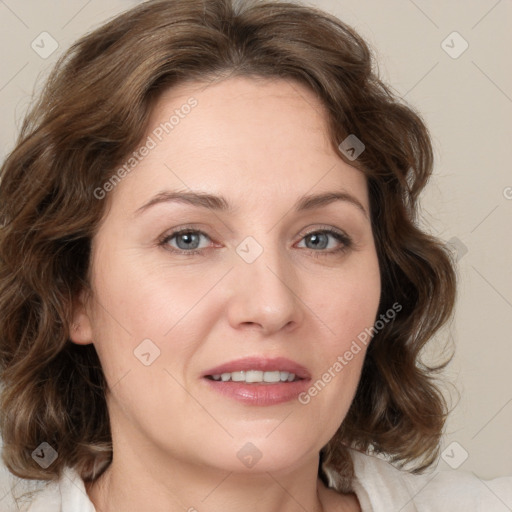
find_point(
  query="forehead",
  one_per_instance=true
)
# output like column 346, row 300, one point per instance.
column 249, row 139
column 242, row 112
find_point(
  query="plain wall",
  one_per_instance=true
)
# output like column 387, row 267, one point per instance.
column 466, row 101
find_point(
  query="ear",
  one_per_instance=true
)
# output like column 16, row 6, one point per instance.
column 80, row 330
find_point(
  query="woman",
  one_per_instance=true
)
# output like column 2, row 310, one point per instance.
column 213, row 288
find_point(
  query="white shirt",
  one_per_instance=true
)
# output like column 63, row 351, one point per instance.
column 378, row 485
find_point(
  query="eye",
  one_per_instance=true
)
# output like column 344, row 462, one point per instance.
column 319, row 241
column 187, row 241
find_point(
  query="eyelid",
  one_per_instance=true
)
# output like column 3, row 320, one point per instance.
column 305, row 232
column 341, row 236
column 346, row 241
column 168, row 235
column 325, row 227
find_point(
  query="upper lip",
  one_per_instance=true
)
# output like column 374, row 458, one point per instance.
column 260, row 363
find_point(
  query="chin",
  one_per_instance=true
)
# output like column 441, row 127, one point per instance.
column 253, row 454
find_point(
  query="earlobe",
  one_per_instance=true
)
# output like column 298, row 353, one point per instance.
column 80, row 331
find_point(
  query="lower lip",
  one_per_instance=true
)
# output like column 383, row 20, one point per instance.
column 259, row 394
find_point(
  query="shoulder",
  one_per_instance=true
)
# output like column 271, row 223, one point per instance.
column 379, row 486
column 68, row 494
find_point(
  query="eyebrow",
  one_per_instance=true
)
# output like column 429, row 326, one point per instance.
column 221, row 204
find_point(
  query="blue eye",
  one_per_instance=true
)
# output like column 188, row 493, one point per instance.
column 188, row 241
column 320, row 240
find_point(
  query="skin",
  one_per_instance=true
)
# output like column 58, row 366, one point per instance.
column 262, row 144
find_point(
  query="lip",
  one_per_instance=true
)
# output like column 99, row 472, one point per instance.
column 259, row 394
column 260, row 363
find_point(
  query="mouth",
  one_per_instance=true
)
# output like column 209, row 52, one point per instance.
column 256, row 376
column 258, row 369
column 259, row 381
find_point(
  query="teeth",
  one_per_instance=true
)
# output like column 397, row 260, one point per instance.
column 255, row 376
column 272, row 376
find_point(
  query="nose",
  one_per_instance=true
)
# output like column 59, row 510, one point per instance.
column 265, row 293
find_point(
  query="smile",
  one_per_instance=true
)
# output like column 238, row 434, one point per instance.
column 251, row 376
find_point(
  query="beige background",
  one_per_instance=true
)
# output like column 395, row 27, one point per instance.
column 467, row 104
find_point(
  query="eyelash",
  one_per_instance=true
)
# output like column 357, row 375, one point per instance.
column 339, row 236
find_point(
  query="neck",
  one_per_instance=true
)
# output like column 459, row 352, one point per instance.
column 139, row 476
column 144, row 475
column 178, row 487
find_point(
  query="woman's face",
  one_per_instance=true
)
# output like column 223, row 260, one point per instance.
column 255, row 275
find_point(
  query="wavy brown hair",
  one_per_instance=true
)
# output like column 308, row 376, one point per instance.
column 94, row 111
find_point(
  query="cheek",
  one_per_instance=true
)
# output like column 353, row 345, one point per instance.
column 139, row 297
column 136, row 301
column 347, row 308
column 349, row 318
column 347, row 304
